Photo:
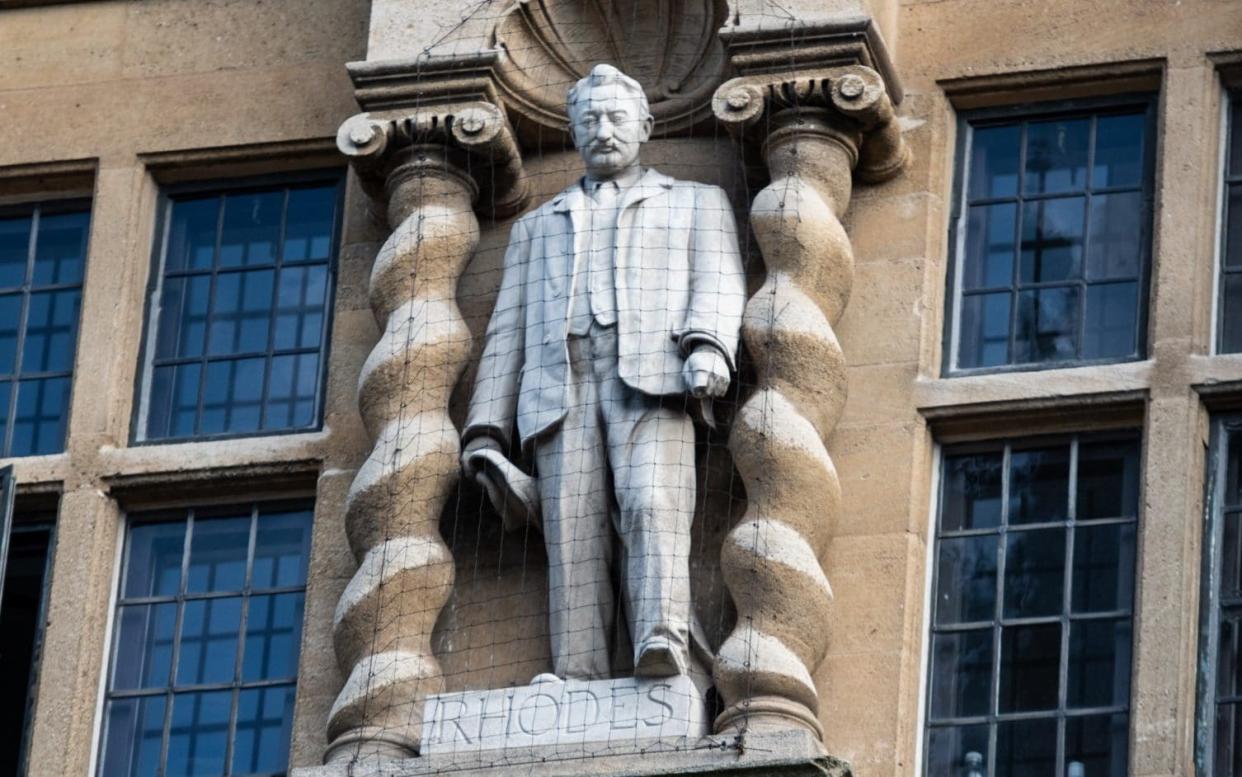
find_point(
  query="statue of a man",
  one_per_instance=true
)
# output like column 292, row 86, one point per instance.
column 620, row 304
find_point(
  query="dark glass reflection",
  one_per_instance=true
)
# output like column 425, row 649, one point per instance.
column 1107, row 480
column 1103, row 568
column 961, row 674
column 972, row 492
column 1099, row 663
column 1026, row 748
column 1056, row 156
column 1099, row 744
column 966, row 580
column 1030, row 665
column 1039, row 485
column 1047, row 326
column 21, row 636
column 957, row 750
column 1034, row 572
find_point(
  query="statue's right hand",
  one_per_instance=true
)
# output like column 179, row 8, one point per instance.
column 479, row 443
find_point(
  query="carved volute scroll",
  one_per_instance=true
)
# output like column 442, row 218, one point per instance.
column 818, row 128
column 420, row 163
column 671, row 47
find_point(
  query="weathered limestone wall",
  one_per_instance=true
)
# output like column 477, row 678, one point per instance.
column 143, row 92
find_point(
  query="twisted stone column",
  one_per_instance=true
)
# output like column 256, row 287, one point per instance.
column 816, row 128
column 385, row 617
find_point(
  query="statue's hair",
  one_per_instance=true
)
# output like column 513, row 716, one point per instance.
column 600, row 75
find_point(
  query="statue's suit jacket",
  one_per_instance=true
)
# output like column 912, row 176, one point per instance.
column 679, row 282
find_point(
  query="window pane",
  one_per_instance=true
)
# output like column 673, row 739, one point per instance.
column 1107, row 480
column 1111, row 327
column 958, row 750
column 51, row 331
column 1231, row 313
column 984, row 338
column 1034, row 573
column 1099, row 663
column 990, row 233
column 1052, row 239
column 134, row 737
column 144, row 646
column 1039, row 485
column 209, row 634
column 1098, row 744
column 60, row 249
column 1231, row 556
column 174, row 401
column 1118, row 151
column 966, row 580
column 192, row 234
column 1233, row 226
column 1227, row 676
column 308, row 233
column 1047, row 325
column 1235, row 139
column 292, row 389
column 1026, row 748
column 1229, row 739
column 961, row 674
column 10, row 320
column 183, row 317
column 198, row 734
column 1115, row 244
column 14, row 250
column 264, row 723
column 1103, row 568
column 273, row 637
column 251, row 229
column 154, row 561
column 233, row 396
column 241, row 312
column 972, row 492
column 1030, row 665
column 218, row 551
column 42, row 407
column 281, row 549
column 299, row 307
column 1056, row 156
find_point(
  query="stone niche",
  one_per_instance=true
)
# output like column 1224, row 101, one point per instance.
column 446, row 621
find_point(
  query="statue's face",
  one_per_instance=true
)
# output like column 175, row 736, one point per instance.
column 609, row 127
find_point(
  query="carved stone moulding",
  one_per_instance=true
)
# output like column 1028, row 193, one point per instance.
column 853, row 100
column 670, row 46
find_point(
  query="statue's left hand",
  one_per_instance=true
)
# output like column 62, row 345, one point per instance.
column 706, row 372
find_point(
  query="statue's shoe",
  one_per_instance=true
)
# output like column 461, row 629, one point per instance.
column 657, row 658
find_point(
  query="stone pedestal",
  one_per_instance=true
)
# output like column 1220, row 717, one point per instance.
column 622, row 714
column 791, row 753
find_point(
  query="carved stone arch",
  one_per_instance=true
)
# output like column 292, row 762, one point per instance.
column 672, row 47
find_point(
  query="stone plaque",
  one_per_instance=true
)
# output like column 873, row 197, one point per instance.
column 564, row 713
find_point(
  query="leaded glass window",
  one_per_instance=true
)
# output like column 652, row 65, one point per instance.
column 1220, row 680
column 42, row 263
column 206, row 638
column 240, row 312
column 1052, row 234
column 1033, row 609
column 1231, row 240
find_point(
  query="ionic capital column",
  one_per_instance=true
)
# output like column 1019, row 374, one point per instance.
column 428, row 166
column 818, row 130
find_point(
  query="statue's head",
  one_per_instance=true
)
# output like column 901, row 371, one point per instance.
column 609, row 120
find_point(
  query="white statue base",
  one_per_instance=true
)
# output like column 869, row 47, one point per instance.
column 558, row 713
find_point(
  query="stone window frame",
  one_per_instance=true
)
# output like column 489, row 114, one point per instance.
column 1005, row 438
column 180, row 177
column 146, row 507
column 1225, row 428
column 977, row 106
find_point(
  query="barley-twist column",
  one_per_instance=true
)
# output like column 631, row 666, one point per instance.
column 817, row 129
column 384, row 620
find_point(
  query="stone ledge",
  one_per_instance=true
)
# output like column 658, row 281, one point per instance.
column 793, row 753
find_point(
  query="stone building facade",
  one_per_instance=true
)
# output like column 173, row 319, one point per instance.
column 126, row 115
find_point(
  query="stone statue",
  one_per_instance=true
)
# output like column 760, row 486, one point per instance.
column 620, row 306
